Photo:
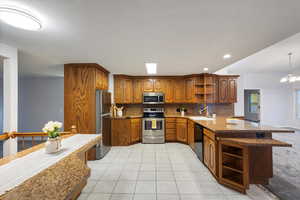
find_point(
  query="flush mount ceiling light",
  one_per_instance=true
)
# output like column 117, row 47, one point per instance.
column 290, row 78
column 205, row 69
column 19, row 18
column 227, row 56
column 151, row 68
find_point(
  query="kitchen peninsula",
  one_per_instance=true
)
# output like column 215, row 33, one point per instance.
column 33, row 174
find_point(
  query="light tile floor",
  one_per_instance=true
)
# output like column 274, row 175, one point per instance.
column 156, row 172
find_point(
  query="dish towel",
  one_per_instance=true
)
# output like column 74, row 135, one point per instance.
column 153, row 122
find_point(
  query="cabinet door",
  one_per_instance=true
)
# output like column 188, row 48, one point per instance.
column 120, row 132
column 169, row 91
column 138, row 91
column 206, row 150
column 105, row 81
column 232, row 97
column 179, row 92
column 223, row 90
column 148, row 85
column 135, row 130
column 181, row 130
column 128, row 91
column 212, row 159
column 119, row 90
column 189, row 90
column 159, row 85
column 191, row 139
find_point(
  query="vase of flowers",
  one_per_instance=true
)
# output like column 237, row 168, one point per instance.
column 53, row 143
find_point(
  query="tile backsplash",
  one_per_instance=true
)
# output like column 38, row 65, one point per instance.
column 192, row 109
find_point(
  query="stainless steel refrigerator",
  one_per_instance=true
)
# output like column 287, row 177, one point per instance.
column 103, row 122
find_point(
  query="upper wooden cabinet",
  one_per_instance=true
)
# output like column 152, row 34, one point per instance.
column 189, row 84
column 169, row 91
column 179, row 91
column 101, row 79
column 198, row 88
column 227, row 89
column 80, row 83
column 123, row 90
column 159, row 85
column 148, row 85
column 138, row 91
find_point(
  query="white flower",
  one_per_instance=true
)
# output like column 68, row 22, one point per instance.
column 51, row 126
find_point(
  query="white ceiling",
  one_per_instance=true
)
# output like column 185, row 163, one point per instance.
column 271, row 59
column 181, row 36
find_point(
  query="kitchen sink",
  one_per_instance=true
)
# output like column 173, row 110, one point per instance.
column 201, row 118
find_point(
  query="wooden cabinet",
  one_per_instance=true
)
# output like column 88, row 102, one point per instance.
column 170, row 129
column 189, row 90
column 123, row 90
column 179, row 91
column 148, row 85
column 159, row 85
column 227, row 88
column 232, row 90
column 138, row 91
column 80, row 83
column 169, row 91
column 210, row 154
column 181, row 130
column 191, row 139
column 101, row 79
column 128, row 91
column 201, row 88
column 120, row 132
column 136, row 130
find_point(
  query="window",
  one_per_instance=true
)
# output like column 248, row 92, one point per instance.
column 298, row 104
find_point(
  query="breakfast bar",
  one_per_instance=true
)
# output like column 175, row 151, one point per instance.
column 37, row 175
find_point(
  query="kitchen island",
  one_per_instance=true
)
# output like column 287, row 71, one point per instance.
column 37, row 175
column 237, row 152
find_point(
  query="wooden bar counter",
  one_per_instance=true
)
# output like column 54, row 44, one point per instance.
column 35, row 175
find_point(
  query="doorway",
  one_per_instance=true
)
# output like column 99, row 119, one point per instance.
column 252, row 105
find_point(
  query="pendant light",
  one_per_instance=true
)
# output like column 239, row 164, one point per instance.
column 290, row 78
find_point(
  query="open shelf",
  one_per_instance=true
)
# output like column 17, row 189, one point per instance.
column 232, row 176
column 232, row 155
column 234, row 151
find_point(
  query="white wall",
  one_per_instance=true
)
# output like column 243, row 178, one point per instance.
column 275, row 97
column 40, row 100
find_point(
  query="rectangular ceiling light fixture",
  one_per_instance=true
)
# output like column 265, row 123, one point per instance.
column 151, row 68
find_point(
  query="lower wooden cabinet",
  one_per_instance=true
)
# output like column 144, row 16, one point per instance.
column 181, row 130
column 125, row 131
column 120, row 132
column 210, row 154
column 191, row 139
column 170, row 132
column 136, row 128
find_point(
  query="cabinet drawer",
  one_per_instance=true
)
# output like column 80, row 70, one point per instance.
column 170, row 135
column 209, row 134
column 170, row 119
column 170, row 125
column 181, row 120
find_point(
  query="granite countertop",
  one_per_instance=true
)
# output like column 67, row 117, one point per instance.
column 222, row 125
column 128, row 117
column 51, row 177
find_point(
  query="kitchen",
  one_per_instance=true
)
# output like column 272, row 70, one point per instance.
column 195, row 110
column 143, row 100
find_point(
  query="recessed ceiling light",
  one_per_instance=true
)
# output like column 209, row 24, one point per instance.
column 151, row 68
column 226, row 56
column 205, row 69
column 19, row 18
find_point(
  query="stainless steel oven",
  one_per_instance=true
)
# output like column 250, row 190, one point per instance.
column 153, row 126
column 153, row 98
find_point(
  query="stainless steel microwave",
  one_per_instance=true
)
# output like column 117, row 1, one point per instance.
column 153, row 98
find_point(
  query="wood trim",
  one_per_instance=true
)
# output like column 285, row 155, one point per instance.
column 88, row 65
column 4, row 136
column 177, row 76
